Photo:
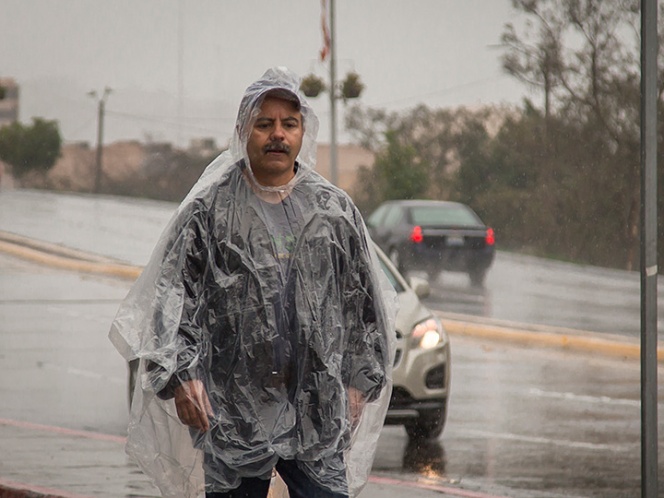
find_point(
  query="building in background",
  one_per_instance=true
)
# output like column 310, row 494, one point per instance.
column 8, row 101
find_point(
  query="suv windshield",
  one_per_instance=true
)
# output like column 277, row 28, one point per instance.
column 390, row 276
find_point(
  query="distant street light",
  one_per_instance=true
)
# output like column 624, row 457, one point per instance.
column 101, row 102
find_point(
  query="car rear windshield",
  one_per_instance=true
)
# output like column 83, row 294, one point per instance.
column 458, row 216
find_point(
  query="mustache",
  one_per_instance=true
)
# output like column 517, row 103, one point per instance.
column 277, row 147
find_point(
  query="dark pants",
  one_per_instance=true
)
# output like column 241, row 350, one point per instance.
column 299, row 485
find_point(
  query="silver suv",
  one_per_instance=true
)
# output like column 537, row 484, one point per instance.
column 422, row 363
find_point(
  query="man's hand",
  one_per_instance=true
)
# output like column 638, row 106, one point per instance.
column 356, row 403
column 193, row 405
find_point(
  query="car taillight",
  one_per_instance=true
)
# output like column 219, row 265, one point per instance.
column 490, row 238
column 416, row 235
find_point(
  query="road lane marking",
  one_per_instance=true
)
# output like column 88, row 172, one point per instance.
column 89, row 374
column 584, row 398
column 390, row 481
column 539, row 440
column 86, row 315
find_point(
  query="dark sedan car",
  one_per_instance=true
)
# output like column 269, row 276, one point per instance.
column 433, row 236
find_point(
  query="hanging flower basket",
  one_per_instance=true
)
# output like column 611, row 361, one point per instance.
column 312, row 85
column 352, row 87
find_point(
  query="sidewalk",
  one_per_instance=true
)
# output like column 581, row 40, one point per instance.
column 53, row 462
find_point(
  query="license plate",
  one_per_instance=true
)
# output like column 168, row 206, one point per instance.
column 454, row 240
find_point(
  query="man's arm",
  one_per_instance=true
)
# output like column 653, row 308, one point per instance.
column 367, row 355
column 177, row 321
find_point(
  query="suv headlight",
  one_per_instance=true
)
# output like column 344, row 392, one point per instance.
column 427, row 334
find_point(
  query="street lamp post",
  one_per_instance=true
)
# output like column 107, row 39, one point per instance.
column 101, row 104
column 350, row 88
column 333, row 101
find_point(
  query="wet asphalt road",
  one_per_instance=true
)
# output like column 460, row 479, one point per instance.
column 522, row 422
column 533, row 290
column 529, row 422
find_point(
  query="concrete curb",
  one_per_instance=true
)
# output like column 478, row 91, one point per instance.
column 552, row 337
column 62, row 257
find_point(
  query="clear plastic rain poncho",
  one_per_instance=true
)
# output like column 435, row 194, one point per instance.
column 278, row 308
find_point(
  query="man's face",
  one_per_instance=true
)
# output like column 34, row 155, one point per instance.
column 275, row 141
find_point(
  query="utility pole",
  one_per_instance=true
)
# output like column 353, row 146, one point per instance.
column 349, row 89
column 180, row 72
column 333, row 101
column 649, row 270
column 101, row 103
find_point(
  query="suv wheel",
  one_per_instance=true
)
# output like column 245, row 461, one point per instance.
column 429, row 424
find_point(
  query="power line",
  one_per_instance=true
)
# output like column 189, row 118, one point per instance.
column 443, row 91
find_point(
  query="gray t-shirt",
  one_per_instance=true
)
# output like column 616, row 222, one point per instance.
column 284, row 221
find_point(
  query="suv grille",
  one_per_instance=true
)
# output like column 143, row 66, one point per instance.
column 399, row 352
column 400, row 398
column 397, row 357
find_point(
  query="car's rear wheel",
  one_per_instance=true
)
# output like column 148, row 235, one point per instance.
column 477, row 277
column 428, row 425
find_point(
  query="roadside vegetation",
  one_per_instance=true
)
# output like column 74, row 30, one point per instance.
column 30, row 148
column 560, row 175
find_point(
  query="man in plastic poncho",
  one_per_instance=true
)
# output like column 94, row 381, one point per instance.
column 263, row 323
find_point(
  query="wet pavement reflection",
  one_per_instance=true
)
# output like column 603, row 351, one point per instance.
column 528, row 423
column 425, row 458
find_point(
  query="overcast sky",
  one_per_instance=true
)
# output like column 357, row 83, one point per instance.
column 438, row 52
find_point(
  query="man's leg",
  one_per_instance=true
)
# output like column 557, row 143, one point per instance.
column 300, row 485
column 249, row 488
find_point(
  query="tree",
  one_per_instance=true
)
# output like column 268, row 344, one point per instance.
column 30, row 148
column 397, row 173
column 584, row 54
column 165, row 175
column 431, row 137
column 401, row 170
column 538, row 62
